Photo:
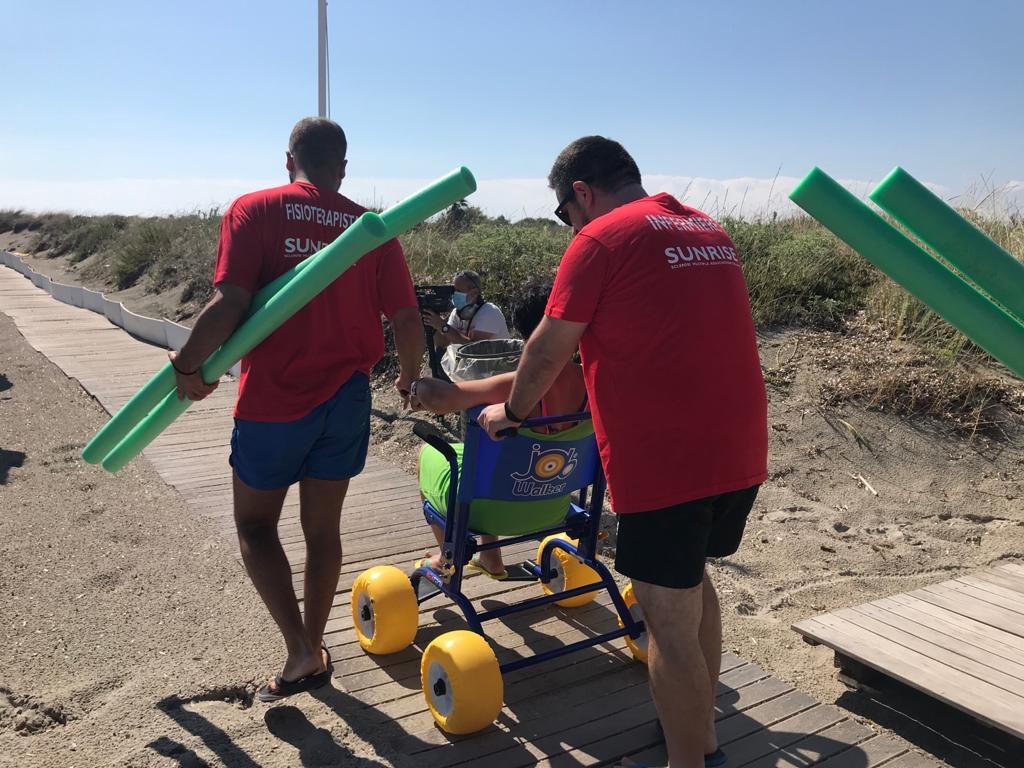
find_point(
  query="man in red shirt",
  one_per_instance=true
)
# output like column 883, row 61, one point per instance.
column 303, row 410
column 652, row 293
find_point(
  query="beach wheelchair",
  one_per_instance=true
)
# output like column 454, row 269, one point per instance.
column 460, row 674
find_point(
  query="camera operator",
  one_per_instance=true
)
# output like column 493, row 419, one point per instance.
column 472, row 319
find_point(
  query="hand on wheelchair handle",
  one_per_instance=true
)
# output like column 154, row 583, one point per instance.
column 495, row 423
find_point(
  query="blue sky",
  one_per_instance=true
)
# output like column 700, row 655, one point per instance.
column 195, row 99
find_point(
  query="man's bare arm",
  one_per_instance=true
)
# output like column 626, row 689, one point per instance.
column 408, row 330
column 443, row 397
column 215, row 324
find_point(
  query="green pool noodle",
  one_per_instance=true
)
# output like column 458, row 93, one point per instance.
column 364, row 235
column 419, row 207
column 399, row 218
column 367, row 233
column 987, row 324
column 143, row 401
column 954, row 238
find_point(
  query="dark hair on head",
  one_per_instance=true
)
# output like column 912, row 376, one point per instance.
column 596, row 160
column 528, row 308
column 317, row 144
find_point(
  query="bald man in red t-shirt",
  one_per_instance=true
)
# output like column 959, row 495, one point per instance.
column 652, row 293
column 303, row 410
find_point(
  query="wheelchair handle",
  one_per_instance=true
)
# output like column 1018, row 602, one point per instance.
column 541, row 421
column 433, row 438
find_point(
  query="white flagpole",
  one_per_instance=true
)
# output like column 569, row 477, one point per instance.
column 322, row 56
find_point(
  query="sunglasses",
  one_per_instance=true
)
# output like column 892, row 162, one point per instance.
column 560, row 212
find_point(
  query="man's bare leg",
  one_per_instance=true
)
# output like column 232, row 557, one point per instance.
column 256, row 516
column 680, row 681
column 711, row 645
column 320, row 504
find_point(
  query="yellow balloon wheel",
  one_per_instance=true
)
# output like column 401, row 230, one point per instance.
column 569, row 574
column 638, row 647
column 384, row 610
column 462, row 682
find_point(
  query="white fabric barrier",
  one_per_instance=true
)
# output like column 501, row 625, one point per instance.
column 93, row 300
column 40, row 281
column 176, row 334
column 145, row 328
column 69, row 294
column 162, row 332
column 113, row 310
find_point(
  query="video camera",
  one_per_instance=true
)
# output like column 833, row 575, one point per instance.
column 436, row 298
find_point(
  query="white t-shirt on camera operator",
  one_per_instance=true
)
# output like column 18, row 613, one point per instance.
column 487, row 319
column 473, row 319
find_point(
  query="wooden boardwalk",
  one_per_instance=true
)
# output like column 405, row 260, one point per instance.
column 590, row 708
column 961, row 641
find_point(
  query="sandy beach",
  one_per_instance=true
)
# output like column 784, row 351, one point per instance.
column 131, row 635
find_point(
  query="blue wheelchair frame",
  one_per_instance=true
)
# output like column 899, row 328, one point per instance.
column 487, row 472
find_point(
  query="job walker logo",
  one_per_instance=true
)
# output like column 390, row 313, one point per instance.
column 546, row 474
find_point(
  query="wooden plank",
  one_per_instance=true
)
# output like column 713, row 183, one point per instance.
column 966, row 631
column 913, row 760
column 877, row 618
column 995, row 584
column 816, row 748
column 743, row 725
column 979, row 698
column 1014, row 568
column 978, row 610
column 1001, row 578
column 578, row 736
column 508, row 645
column 783, row 733
column 1012, row 604
column 648, row 737
column 407, row 710
column 514, row 630
column 867, row 754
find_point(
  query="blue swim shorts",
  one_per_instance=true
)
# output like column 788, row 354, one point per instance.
column 329, row 443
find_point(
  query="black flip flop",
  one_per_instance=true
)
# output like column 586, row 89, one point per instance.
column 285, row 688
column 327, row 651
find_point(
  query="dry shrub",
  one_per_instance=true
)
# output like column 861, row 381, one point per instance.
column 872, row 369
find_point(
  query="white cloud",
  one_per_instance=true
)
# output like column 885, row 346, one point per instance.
column 513, row 198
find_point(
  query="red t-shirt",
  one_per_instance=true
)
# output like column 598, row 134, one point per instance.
column 669, row 353
column 304, row 362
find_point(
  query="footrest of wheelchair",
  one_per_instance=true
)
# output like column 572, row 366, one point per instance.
column 425, row 589
column 521, row 572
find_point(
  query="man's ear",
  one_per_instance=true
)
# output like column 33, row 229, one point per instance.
column 344, row 165
column 289, row 162
column 584, row 194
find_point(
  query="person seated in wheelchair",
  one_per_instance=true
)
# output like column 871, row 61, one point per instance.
column 491, row 519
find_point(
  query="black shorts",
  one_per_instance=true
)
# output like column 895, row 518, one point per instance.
column 667, row 547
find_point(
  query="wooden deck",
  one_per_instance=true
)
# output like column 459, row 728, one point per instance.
column 590, row 708
column 961, row 641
